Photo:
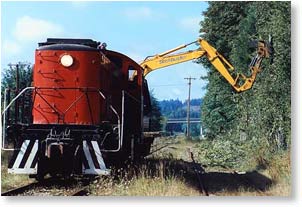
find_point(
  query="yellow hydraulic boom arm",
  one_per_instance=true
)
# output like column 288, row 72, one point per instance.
column 240, row 82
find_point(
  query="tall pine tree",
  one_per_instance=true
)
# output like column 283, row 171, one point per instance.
column 219, row 27
column 262, row 113
column 270, row 105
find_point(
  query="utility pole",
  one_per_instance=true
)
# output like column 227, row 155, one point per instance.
column 188, row 106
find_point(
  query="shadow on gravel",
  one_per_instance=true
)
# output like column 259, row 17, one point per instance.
column 213, row 182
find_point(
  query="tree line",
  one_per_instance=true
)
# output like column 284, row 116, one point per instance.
column 260, row 116
column 175, row 109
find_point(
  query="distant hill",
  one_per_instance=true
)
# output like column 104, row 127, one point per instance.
column 178, row 109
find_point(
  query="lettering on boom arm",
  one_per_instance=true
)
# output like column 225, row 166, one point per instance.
column 172, row 59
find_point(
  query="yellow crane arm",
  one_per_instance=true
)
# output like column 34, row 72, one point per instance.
column 164, row 61
column 240, row 82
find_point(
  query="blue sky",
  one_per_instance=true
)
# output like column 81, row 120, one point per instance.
column 137, row 29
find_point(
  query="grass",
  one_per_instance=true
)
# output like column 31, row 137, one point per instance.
column 271, row 180
column 144, row 186
column 167, row 173
column 279, row 171
column 275, row 169
column 154, row 178
column 176, row 148
column 10, row 181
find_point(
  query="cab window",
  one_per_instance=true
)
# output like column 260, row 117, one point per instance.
column 132, row 80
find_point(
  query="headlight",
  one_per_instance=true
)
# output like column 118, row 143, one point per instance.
column 66, row 60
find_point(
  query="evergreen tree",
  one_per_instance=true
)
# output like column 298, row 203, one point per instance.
column 9, row 77
column 219, row 27
column 261, row 114
column 176, row 109
column 155, row 114
column 269, row 108
column 9, row 82
column 241, row 56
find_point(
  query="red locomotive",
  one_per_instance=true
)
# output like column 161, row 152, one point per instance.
column 87, row 111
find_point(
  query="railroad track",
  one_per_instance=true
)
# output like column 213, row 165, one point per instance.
column 20, row 190
column 52, row 187
column 82, row 192
column 28, row 187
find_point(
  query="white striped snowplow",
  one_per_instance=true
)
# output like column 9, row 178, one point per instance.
column 24, row 160
column 93, row 162
column 61, row 151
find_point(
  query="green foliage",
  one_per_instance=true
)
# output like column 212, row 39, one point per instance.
column 242, row 50
column 219, row 27
column 256, row 121
column 276, row 85
column 222, row 153
column 9, row 82
column 266, row 108
column 243, row 155
column 155, row 115
column 9, row 77
column 178, row 109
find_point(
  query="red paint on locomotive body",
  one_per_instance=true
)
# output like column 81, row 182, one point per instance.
column 67, row 95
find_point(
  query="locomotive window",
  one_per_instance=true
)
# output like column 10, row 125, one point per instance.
column 131, row 71
column 132, row 82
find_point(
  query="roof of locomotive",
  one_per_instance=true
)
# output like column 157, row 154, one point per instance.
column 69, row 44
column 121, row 55
column 70, row 47
column 80, row 45
column 86, row 42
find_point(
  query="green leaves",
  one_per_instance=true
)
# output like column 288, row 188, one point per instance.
column 9, row 76
column 220, row 26
column 155, row 115
column 262, row 114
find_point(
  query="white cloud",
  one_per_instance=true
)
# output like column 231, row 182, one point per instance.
column 11, row 48
column 190, row 23
column 27, row 31
column 138, row 13
column 32, row 29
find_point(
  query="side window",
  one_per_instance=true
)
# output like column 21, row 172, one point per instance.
column 131, row 72
column 132, row 80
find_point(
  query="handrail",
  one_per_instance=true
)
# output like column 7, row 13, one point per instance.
column 4, row 116
column 14, row 99
column 120, row 125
